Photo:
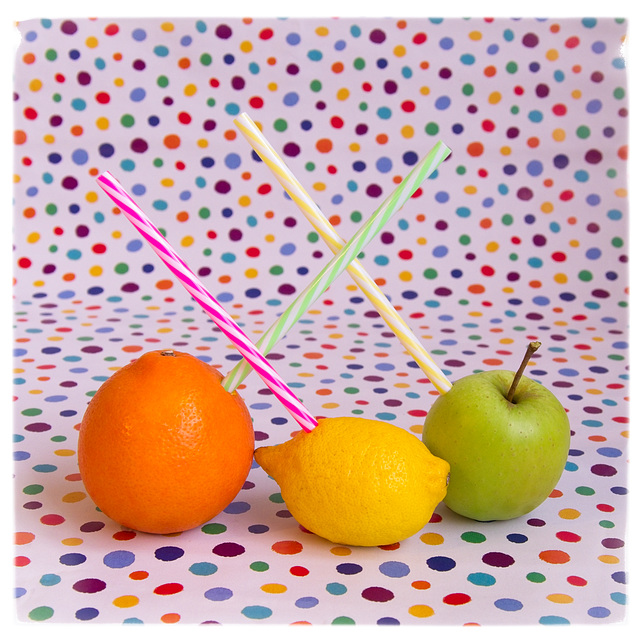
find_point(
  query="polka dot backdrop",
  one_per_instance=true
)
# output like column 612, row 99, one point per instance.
column 521, row 234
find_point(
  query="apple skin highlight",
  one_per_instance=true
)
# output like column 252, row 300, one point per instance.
column 505, row 457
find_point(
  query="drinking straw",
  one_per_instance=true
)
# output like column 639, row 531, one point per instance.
column 342, row 259
column 210, row 305
column 325, row 229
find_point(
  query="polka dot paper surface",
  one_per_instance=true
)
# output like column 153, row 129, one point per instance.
column 520, row 235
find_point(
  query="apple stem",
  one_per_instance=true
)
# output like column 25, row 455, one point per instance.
column 531, row 349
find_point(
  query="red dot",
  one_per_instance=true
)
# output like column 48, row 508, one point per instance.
column 488, row 125
column 487, row 270
column 184, row 117
column 30, row 114
column 568, row 536
column 168, row 589
column 606, row 508
column 559, row 256
column 265, row 34
column 99, row 248
column 214, row 82
column 299, row 571
column 52, row 519
column 408, row 106
column 22, row 561
column 572, row 42
column 577, row 581
column 60, row 77
column 419, row 38
column 456, row 598
column 518, row 90
column 256, row 102
column 124, row 535
column 337, row 122
column 24, row 263
column 559, row 109
column 253, row 252
column 103, row 97
column 405, row 254
column 567, row 195
column 111, row 29
column 263, row 189
column 366, row 86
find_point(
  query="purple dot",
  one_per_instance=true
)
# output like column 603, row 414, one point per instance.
column 377, row 36
column 374, row 191
column 84, row 78
column 513, row 132
column 228, row 549
column 222, row 186
column 530, row 40
column 377, row 594
column 223, row 31
column 209, row 125
column 497, row 559
column 138, row 145
column 390, row 86
column 218, row 594
column 293, row 69
column 443, row 291
column 612, row 543
column 286, row 289
column 89, row 585
column 593, row 156
column 387, row 237
column 542, row 91
column 539, row 240
column 69, row 183
column 169, row 553
column 139, row 65
column 237, row 82
column 361, row 129
column 91, row 527
column 291, row 149
column 524, row 193
column 604, row 470
column 536, row 522
column 69, row 27
column 235, row 235
column 445, row 73
column 38, row 427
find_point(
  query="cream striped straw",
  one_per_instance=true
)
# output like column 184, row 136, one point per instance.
column 343, row 258
column 324, row 228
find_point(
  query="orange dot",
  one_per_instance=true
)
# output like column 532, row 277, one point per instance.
column 183, row 216
column 533, row 142
column 287, row 547
column 28, row 58
column 230, row 134
column 29, row 212
column 490, row 71
column 475, row 149
column 554, row 556
column 382, row 138
column 334, row 220
column 24, row 537
column 535, row 284
column 271, row 61
column 623, row 152
column 172, row 141
column 19, row 136
column 421, row 584
column 476, row 288
column 486, row 223
column 69, row 277
column 170, row 618
column 133, row 348
column 224, row 279
column 324, row 145
column 184, row 63
column 246, row 175
column 117, row 56
column 337, row 67
column 164, row 284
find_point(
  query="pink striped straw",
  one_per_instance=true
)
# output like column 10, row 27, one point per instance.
column 211, row 306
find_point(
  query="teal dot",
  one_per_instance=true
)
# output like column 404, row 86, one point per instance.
column 315, row 55
column 553, row 620
column 336, row 589
column 481, row 579
column 256, row 612
column 535, row 116
column 78, row 104
column 384, row 113
column 50, row 580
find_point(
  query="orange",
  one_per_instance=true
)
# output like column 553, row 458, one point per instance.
column 163, row 447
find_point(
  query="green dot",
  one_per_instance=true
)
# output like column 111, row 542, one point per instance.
column 211, row 102
column 312, row 236
column 33, row 489
column 460, row 170
column 583, row 132
column 56, row 97
column 127, row 120
column 356, row 216
column 473, row 536
column 204, row 213
column 41, row 613
column 51, row 209
column 363, row 106
column 213, row 528
column 206, row 59
column 464, row 239
column 343, row 620
column 163, row 81
column 617, row 242
column 612, row 173
column 463, row 302
column 511, row 67
column 276, row 270
column 585, row 276
column 619, row 93
column 259, row 566
column 51, row 54
column 158, row 162
column 432, row 129
column 121, row 267
column 430, row 274
column 513, row 257
column 515, row 109
column 58, row 439
column 280, row 125
column 310, row 166
column 207, row 252
column 359, row 64
column 467, row 89
column 276, row 498
column 351, row 390
column 507, row 219
column 315, row 86
column 585, row 491
column 534, row 576
column 31, row 412
column 607, row 524
column 53, row 248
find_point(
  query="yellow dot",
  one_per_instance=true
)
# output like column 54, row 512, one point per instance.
column 273, row 588
column 187, row 241
column 470, row 189
column 246, row 46
column 425, row 91
column 576, row 94
column 609, row 559
column 574, row 243
column 495, row 97
column 400, row 51
column 432, row 538
column 420, row 611
column 594, row 392
column 560, row 598
column 569, row 514
column 269, row 237
column 405, row 276
column 35, row 85
column 91, row 196
column 75, row 496
column 165, row 330
column 72, row 542
column 319, row 186
column 91, row 42
column 506, row 340
column 167, row 26
column 558, row 135
column 505, row 151
column 322, row 31
column 95, row 271
column 33, row 237
column 340, row 551
column 102, row 123
column 65, row 453
column 492, row 246
column 190, row 90
column 335, row 336
column 552, row 54
column 124, row 602
column 272, row 86
column 546, row 207
column 116, row 234
column 407, row 131
column 203, row 143
column 167, row 182
column 561, row 278
column 49, row 139
column 354, row 146
column 507, row 289
column 251, row 273
column 475, row 35
column 119, row 82
column 342, row 94
column 330, row 405
column 421, row 241
column 244, row 201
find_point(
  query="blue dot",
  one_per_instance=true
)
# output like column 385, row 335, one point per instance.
column 442, row 196
column 232, row 160
column 119, row 559
column 508, row 604
column 599, row 612
column 534, row 168
column 446, row 43
column 237, row 507
column 440, row 251
column 307, row 602
column 517, row 538
column 291, row 99
column 384, row 165
column 598, row 47
column 293, row 39
column 441, row 563
column 72, row 559
column 138, row 94
column 593, row 254
column 218, row 594
column 87, row 613
column 594, row 106
column 139, row 35
column 442, row 103
column 394, row 569
column 134, row 245
column 348, row 568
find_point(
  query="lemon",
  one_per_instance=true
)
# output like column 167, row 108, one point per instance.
column 357, row 482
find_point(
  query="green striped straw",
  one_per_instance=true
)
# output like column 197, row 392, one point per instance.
column 341, row 260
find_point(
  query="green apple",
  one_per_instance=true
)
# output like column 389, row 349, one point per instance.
column 506, row 438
